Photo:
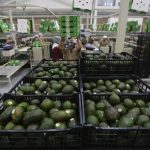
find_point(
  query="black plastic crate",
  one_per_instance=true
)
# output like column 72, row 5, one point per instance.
column 32, row 80
column 109, row 65
column 143, row 87
column 43, row 139
column 95, row 137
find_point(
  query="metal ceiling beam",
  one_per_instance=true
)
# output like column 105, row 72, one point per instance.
column 9, row 2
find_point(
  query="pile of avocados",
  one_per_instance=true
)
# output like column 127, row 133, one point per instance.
column 117, row 112
column 55, row 69
column 100, row 86
column 51, row 87
column 58, row 72
column 38, row 115
column 105, row 56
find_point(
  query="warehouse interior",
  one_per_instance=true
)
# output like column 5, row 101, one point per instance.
column 74, row 74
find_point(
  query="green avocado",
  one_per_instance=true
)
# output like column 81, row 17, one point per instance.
column 92, row 120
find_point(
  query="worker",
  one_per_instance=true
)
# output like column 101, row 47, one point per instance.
column 9, row 40
column 91, row 45
column 37, row 42
column 104, row 42
column 72, row 49
column 57, row 49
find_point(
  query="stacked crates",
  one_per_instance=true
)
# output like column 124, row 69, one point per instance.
column 69, row 26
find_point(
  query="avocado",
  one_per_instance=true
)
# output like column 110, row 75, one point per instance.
column 17, row 114
column 39, row 69
column 32, row 127
column 59, row 116
column 43, row 86
column 33, row 116
column 142, row 119
column 121, row 109
column 53, row 82
column 67, row 105
column 101, row 88
column 87, row 92
column 57, row 87
column 127, row 87
column 52, row 111
column 104, row 125
column 135, row 88
column 131, row 82
column 145, row 111
column 116, row 81
column 47, row 104
column 100, row 115
column 19, row 92
column 35, row 102
column 128, row 103
column 18, row 127
column 140, row 103
column 126, row 121
column 147, row 124
column 5, row 116
column 60, row 125
column 1, row 127
column 95, row 91
column 8, row 103
column 114, row 99
column 125, row 92
column 74, row 83
column 64, row 68
column 111, row 114
column 37, row 82
column 32, row 107
column 70, row 113
column 90, row 109
column 62, row 82
column 51, row 92
column 68, row 74
column 89, row 101
column 38, row 93
column 67, row 89
column 93, row 84
column 117, row 91
column 134, row 92
column 134, row 113
column 100, row 82
column 24, row 105
column 111, row 87
column 47, row 123
column 100, row 106
column 72, row 123
column 87, row 86
column 57, row 104
column 9, row 126
column 121, row 86
column 92, row 120
column 108, row 83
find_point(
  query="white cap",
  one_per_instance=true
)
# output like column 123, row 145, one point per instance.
column 104, row 37
column 37, row 35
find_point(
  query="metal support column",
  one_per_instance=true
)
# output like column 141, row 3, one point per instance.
column 12, row 27
column 33, row 24
column 121, row 31
column 11, row 19
column 87, row 21
column 95, row 21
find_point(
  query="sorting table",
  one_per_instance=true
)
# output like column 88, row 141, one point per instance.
column 7, row 71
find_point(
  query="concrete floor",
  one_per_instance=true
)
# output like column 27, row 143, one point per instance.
column 5, row 87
